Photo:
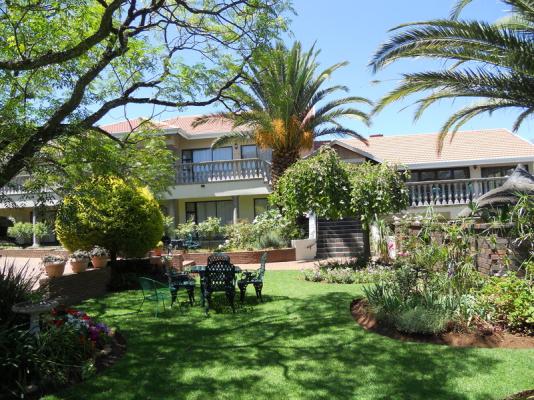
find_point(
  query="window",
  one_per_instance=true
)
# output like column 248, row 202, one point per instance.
column 497, row 172
column 202, row 210
column 439, row 174
column 203, row 155
column 260, row 206
column 252, row 151
column 249, row 151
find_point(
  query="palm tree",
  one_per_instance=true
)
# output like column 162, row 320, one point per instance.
column 492, row 63
column 285, row 107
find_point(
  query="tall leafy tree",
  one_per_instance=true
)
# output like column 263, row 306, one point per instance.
column 142, row 159
column 490, row 62
column 285, row 105
column 65, row 64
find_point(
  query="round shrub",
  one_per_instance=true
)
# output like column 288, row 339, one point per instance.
column 110, row 213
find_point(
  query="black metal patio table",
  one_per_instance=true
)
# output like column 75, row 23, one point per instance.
column 201, row 270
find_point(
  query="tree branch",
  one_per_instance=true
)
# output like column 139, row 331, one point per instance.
column 103, row 31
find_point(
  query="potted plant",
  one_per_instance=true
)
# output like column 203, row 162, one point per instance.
column 158, row 249
column 79, row 260
column 99, row 257
column 54, row 265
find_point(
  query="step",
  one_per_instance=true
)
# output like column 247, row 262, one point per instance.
column 350, row 236
column 338, row 229
column 338, row 255
column 340, row 226
column 345, row 243
column 341, row 242
column 340, row 232
column 339, row 223
column 340, row 248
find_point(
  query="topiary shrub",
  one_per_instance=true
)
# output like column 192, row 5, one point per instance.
column 110, row 213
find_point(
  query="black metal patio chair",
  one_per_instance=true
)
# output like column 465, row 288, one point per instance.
column 254, row 278
column 220, row 276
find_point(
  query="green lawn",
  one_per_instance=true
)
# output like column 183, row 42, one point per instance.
column 302, row 343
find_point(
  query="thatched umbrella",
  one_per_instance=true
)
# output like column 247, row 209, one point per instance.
column 520, row 182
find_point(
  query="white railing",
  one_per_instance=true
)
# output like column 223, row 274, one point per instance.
column 16, row 186
column 450, row 192
column 222, row 171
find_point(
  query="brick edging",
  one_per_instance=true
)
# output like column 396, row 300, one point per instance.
column 247, row 257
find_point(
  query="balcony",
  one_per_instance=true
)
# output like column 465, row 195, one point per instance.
column 223, row 171
column 450, row 192
column 16, row 186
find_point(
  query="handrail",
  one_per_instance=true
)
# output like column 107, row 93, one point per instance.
column 223, row 171
column 450, row 191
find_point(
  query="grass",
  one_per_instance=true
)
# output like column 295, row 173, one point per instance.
column 302, row 343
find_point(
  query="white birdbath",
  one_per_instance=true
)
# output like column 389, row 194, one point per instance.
column 34, row 309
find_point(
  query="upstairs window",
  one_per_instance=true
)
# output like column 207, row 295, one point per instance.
column 498, row 172
column 203, row 155
column 252, row 151
column 439, row 174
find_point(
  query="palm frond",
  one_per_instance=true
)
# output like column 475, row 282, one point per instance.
column 459, row 41
column 340, row 132
column 241, row 137
column 459, row 7
column 461, row 117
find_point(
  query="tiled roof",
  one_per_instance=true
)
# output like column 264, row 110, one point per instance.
column 422, row 148
column 183, row 123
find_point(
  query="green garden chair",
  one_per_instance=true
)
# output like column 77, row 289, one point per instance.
column 254, row 278
column 154, row 291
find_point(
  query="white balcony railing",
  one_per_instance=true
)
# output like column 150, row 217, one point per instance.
column 16, row 186
column 450, row 192
column 222, row 171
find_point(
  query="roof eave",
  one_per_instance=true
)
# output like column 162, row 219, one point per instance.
column 464, row 163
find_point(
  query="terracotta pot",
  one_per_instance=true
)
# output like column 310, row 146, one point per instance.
column 99, row 262
column 79, row 266
column 55, row 270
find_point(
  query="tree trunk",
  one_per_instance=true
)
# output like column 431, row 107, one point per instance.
column 282, row 160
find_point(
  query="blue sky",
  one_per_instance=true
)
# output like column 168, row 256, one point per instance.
column 352, row 30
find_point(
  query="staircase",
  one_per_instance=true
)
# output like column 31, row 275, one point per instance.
column 343, row 238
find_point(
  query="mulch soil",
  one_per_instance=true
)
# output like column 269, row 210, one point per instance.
column 489, row 339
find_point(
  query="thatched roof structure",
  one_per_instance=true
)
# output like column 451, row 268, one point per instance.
column 520, row 182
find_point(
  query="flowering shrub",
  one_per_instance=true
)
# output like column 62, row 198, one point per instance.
column 186, row 230
column 95, row 332
column 270, row 229
column 325, row 273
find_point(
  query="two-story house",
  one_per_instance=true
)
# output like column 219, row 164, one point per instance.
column 233, row 182
column 230, row 182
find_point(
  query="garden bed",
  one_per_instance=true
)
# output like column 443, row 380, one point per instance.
column 362, row 315
column 247, row 257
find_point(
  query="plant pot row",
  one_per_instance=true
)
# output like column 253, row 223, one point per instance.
column 56, row 269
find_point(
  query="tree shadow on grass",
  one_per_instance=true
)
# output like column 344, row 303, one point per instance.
column 302, row 348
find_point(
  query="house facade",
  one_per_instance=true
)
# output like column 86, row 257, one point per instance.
column 233, row 182
column 468, row 166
